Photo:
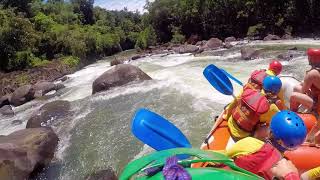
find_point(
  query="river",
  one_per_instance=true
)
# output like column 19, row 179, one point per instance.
column 98, row 135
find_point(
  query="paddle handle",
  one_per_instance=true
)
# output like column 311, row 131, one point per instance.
column 232, row 77
column 216, row 124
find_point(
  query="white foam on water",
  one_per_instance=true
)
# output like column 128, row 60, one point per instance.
column 80, row 83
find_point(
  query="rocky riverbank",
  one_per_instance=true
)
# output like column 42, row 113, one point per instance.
column 55, row 112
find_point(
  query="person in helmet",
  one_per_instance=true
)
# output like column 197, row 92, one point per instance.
column 256, row 78
column 307, row 93
column 272, row 87
column 253, row 109
column 265, row 158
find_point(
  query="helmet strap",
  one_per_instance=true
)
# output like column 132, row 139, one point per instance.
column 275, row 144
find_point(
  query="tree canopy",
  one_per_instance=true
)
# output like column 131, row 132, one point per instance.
column 33, row 32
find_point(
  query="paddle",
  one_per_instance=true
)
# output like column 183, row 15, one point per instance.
column 232, row 77
column 157, row 132
column 218, row 79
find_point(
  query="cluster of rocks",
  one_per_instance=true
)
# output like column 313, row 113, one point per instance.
column 26, row 152
column 25, row 94
column 195, row 46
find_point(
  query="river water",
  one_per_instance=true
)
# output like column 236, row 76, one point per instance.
column 98, row 135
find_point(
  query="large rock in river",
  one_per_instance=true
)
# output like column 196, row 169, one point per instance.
column 26, row 151
column 6, row 110
column 49, row 113
column 186, row 49
column 213, row 43
column 249, row 53
column 118, row 76
column 22, row 95
column 271, row 37
column 42, row 88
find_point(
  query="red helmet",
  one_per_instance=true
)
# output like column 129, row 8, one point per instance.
column 313, row 55
column 275, row 66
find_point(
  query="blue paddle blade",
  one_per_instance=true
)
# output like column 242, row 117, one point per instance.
column 231, row 77
column 218, row 79
column 157, row 132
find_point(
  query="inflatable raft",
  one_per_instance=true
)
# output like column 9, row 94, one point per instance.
column 305, row 157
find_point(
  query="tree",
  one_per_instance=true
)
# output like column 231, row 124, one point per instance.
column 85, row 8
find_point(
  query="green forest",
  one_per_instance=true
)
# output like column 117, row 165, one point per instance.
column 35, row 32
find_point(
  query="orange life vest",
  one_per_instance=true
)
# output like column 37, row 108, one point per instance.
column 256, row 79
column 248, row 110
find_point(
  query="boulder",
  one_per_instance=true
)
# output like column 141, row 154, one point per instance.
column 249, row 53
column 135, row 57
column 287, row 37
column 108, row 174
column 186, row 49
column 214, row 43
column 193, row 39
column 49, row 113
column 6, row 110
column 201, row 43
column 230, row 39
column 64, row 78
column 16, row 122
column 228, row 45
column 42, row 88
column 271, row 37
column 116, row 62
column 119, row 75
column 293, row 48
column 26, row 152
column 22, row 95
column 289, row 55
column 5, row 100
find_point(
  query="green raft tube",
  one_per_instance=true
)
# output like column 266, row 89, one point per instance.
column 135, row 169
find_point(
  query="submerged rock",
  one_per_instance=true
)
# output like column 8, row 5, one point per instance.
column 186, row 49
column 108, row 174
column 26, row 151
column 49, row 113
column 6, row 110
column 16, row 122
column 270, row 37
column 116, row 62
column 119, row 75
column 286, row 37
column 230, row 39
column 249, row 53
column 135, row 57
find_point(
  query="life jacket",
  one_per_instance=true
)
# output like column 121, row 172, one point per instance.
column 248, row 110
column 261, row 161
column 256, row 79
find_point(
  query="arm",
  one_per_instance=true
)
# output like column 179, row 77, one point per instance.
column 285, row 169
column 312, row 77
column 311, row 174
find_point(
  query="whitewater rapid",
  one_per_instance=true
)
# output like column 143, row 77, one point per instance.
column 98, row 134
